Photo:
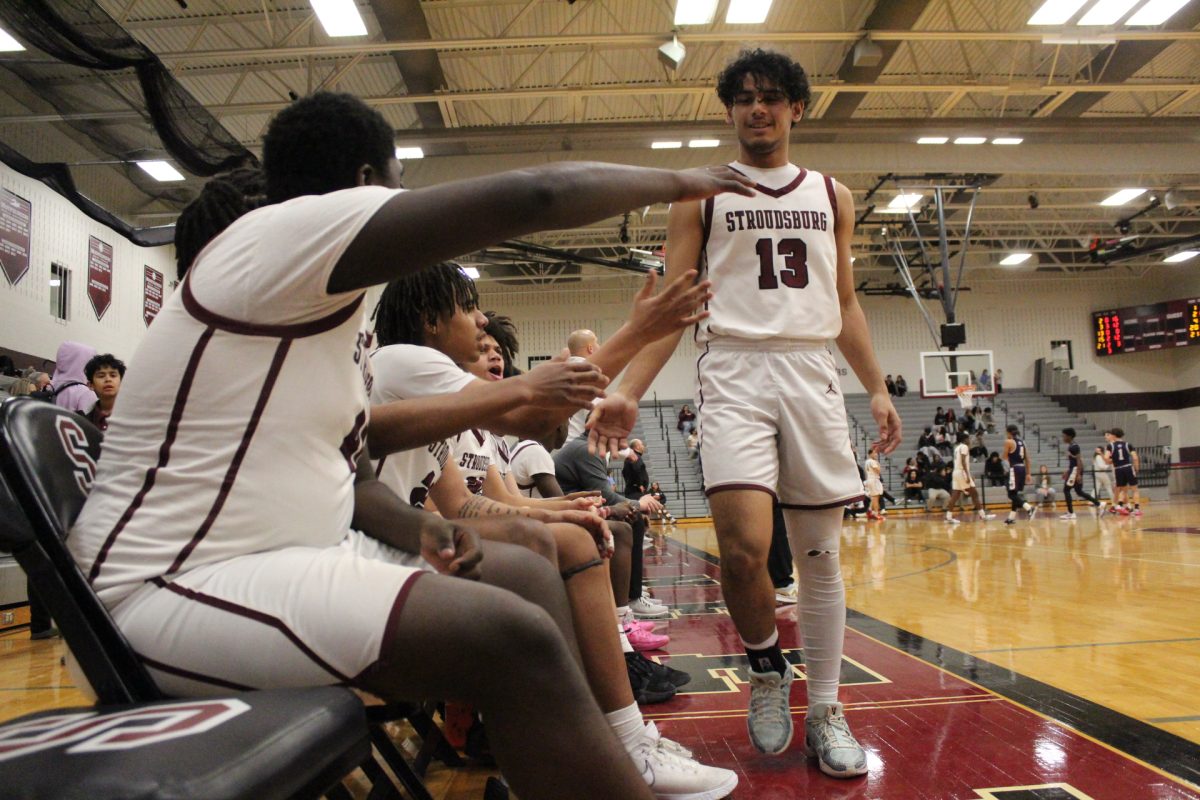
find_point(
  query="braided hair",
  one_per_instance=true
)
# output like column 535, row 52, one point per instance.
column 223, row 199
column 504, row 331
column 422, row 298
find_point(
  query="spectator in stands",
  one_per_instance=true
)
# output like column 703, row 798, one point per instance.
column 70, row 385
column 693, row 444
column 944, row 443
column 951, row 423
column 104, row 374
column 901, row 386
column 939, row 416
column 985, row 381
column 503, row 330
column 994, row 470
column 41, row 380
column 1103, row 472
column 912, row 481
column 926, row 438
column 999, row 381
column 930, row 454
column 978, row 447
column 21, row 387
column 634, row 472
column 1045, row 488
column 890, row 384
column 8, row 372
column 658, row 494
column 989, row 422
column 937, row 488
column 687, row 420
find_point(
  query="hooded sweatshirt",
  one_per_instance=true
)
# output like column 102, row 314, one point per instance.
column 72, row 358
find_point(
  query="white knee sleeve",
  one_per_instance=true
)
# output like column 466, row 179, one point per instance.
column 815, row 537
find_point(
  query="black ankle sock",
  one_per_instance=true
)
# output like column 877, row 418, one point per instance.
column 768, row 658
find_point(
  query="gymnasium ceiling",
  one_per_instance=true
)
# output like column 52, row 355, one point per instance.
column 483, row 85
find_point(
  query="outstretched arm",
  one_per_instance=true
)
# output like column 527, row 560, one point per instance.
column 411, row 230
column 855, row 339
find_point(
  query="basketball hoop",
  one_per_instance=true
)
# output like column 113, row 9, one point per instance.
column 966, row 395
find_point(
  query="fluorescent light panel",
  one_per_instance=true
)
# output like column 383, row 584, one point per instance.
column 747, row 12
column 339, row 17
column 970, row 140
column 1182, row 255
column 471, row 272
column 1013, row 259
column 933, row 140
column 1156, row 12
column 665, row 145
column 905, row 201
column 56, row 282
column 1122, row 197
column 8, row 44
column 1007, row 140
column 704, row 143
column 1055, row 12
column 1107, row 12
column 160, row 171
column 409, row 152
column 694, row 12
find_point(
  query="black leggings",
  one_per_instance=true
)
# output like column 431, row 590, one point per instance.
column 635, row 561
column 1068, row 488
column 1017, row 499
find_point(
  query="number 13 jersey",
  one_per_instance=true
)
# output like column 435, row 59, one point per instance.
column 772, row 258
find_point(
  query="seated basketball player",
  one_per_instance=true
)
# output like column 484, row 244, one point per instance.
column 237, row 535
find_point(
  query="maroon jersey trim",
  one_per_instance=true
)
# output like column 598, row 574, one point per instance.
column 832, row 198
column 782, row 190
column 823, row 506
column 159, row 666
column 729, row 487
column 388, row 644
column 297, row 331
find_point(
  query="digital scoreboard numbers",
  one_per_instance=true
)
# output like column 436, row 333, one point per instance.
column 1175, row 323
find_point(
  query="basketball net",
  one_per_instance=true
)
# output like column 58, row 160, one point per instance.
column 966, row 395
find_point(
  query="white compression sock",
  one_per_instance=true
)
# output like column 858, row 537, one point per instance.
column 815, row 537
column 628, row 725
column 770, row 641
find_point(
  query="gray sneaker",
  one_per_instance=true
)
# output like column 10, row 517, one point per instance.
column 827, row 736
column 770, row 717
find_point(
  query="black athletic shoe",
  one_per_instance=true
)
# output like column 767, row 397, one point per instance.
column 677, row 677
column 648, row 686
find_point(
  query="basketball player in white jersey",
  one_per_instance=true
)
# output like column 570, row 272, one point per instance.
column 235, row 533
column 873, row 486
column 768, row 391
column 962, row 481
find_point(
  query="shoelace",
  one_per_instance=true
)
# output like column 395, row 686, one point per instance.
column 835, row 732
column 764, row 703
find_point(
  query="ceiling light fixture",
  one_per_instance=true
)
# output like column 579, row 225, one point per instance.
column 665, row 145
column 1181, row 256
column 8, row 44
column 970, row 140
column 1013, row 259
column 339, row 17
column 694, row 12
column 1122, row 197
column 1107, row 12
column 471, row 272
column 1156, row 12
column 704, row 143
column 747, row 12
column 160, row 171
column 905, row 201
column 409, row 152
column 1055, row 12
column 933, row 140
column 672, row 53
column 1007, row 140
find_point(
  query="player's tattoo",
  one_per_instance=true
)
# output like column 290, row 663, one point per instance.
column 480, row 506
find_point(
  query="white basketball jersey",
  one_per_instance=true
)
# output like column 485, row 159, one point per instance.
column 411, row 473
column 244, row 406
column 528, row 460
column 772, row 258
column 962, row 455
column 475, row 454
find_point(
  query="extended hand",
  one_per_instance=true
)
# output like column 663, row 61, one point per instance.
column 451, row 548
column 704, row 182
column 674, row 308
column 609, row 425
column 559, row 383
column 889, row 423
column 649, row 505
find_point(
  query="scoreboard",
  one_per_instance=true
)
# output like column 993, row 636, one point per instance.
column 1175, row 323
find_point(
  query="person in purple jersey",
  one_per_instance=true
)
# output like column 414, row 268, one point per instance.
column 1018, row 470
column 1073, row 477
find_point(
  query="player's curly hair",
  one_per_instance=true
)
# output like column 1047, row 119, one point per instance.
column 317, row 144
column 764, row 64
column 103, row 360
column 223, row 199
column 504, row 331
column 423, row 298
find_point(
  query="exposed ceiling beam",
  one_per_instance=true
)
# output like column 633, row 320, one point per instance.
column 900, row 15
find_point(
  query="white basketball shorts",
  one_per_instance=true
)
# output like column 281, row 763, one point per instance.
column 772, row 418
column 295, row 617
column 961, row 481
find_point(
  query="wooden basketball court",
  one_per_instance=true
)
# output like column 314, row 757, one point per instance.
column 1047, row 659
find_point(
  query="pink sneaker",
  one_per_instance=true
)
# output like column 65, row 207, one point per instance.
column 641, row 639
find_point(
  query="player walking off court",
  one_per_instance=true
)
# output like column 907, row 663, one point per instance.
column 1019, row 466
column 962, row 482
column 1073, row 477
column 768, row 390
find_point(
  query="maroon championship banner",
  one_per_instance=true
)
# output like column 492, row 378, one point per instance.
column 152, row 294
column 15, row 215
column 100, row 267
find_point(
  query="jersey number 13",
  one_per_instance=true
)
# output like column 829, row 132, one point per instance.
column 793, row 273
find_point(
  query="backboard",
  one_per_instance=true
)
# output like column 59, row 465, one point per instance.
column 943, row 370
